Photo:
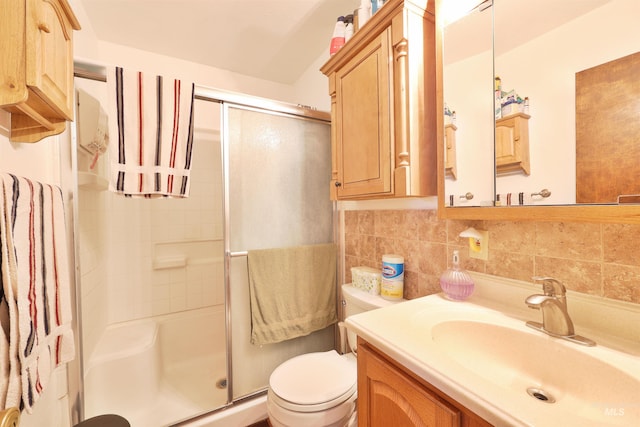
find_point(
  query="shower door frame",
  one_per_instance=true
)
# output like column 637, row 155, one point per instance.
column 226, row 99
column 266, row 107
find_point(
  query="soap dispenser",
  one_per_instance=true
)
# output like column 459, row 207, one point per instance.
column 456, row 283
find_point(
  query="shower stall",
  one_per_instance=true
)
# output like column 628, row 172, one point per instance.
column 162, row 284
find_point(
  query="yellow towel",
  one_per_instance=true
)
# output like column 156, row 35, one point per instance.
column 293, row 291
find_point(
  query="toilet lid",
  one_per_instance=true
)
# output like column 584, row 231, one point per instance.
column 315, row 379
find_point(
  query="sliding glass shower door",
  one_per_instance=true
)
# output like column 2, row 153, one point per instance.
column 162, row 284
column 277, row 170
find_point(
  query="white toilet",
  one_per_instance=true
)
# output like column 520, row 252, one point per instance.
column 320, row 389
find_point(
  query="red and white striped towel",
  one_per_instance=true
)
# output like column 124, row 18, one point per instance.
column 36, row 286
column 151, row 134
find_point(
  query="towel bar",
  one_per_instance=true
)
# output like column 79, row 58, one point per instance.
column 237, row 254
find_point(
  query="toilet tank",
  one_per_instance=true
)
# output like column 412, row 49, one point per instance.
column 356, row 301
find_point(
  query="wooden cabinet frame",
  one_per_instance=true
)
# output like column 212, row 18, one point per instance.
column 385, row 145
column 450, row 163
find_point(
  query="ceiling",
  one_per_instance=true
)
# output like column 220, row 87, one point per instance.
column 275, row 40
column 472, row 34
column 278, row 40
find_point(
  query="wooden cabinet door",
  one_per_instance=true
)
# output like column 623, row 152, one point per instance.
column 49, row 56
column 389, row 397
column 363, row 136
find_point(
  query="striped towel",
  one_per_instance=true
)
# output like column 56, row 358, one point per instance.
column 152, row 137
column 36, row 286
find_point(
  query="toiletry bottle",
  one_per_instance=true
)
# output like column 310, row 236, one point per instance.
column 337, row 41
column 498, row 98
column 376, row 5
column 348, row 29
column 364, row 12
column 455, row 282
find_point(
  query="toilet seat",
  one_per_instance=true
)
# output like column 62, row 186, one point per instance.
column 314, row 382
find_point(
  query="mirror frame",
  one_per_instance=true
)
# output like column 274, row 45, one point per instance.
column 625, row 214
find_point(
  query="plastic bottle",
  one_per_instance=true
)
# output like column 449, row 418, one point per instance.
column 498, row 98
column 455, row 282
column 376, row 5
column 364, row 12
column 348, row 29
column 337, row 41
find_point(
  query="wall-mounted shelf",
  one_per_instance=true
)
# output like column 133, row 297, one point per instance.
column 36, row 73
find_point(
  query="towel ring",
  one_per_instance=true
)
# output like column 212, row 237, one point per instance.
column 10, row 417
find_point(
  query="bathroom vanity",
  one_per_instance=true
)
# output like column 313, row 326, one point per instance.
column 433, row 361
column 389, row 394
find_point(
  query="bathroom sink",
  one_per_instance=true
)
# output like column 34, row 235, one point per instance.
column 484, row 356
column 522, row 361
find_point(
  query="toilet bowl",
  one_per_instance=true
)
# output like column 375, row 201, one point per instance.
column 320, row 389
column 314, row 389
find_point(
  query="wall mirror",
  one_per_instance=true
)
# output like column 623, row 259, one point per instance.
column 573, row 63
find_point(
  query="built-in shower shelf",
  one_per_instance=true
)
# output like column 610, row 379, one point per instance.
column 180, row 254
column 92, row 181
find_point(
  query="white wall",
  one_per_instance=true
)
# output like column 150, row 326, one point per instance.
column 312, row 88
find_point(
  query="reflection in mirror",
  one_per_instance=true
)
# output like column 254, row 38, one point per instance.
column 540, row 47
column 540, row 60
column 467, row 80
column 607, row 132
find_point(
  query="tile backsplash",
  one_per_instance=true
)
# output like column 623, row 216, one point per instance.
column 592, row 258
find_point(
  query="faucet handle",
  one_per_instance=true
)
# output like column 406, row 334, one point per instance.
column 551, row 286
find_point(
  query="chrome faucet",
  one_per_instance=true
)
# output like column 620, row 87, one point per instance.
column 555, row 317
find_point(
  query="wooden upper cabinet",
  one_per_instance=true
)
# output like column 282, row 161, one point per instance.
column 36, row 75
column 362, row 87
column 512, row 144
column 383, row 106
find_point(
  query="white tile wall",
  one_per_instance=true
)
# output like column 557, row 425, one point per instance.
column 119, row 238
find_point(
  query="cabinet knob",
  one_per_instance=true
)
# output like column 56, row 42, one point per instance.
column 43, row 27
column 338, row 184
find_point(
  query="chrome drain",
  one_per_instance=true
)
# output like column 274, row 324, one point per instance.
column 222, row 383
column 541, row 395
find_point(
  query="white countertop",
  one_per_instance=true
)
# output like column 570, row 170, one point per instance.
column 406, row 332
